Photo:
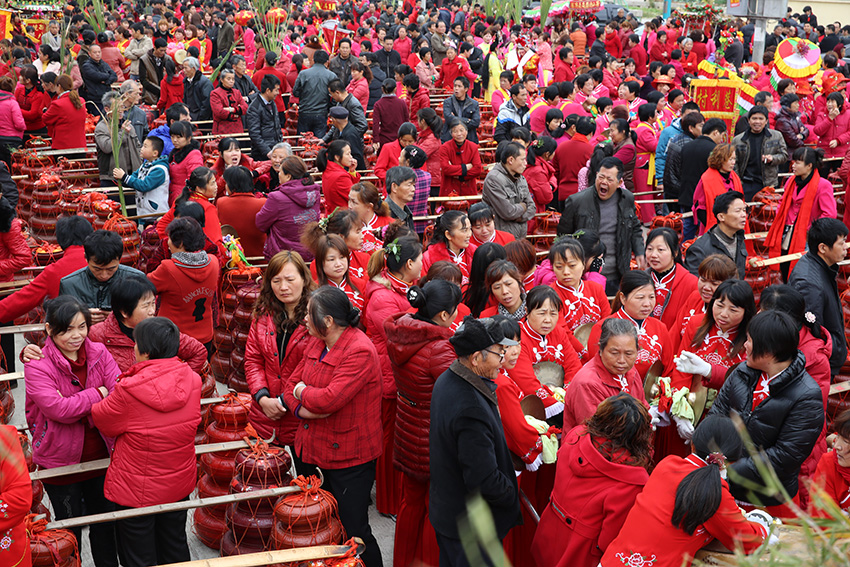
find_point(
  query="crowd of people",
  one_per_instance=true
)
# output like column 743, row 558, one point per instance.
column 438, row 361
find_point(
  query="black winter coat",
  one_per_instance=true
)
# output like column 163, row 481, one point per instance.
column 196, row 93
column 262, row 122
column 694, row 161
column 469, row 454
column 709, row 244
column 581, row 210
column 816, row 281
column 785, row 425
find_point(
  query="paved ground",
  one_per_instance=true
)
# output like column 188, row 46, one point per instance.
column 384, row 528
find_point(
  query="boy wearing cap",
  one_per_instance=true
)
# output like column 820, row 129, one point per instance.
column 469, row 455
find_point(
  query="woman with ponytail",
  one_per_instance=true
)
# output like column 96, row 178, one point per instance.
column 346, row 224
column 686, row 503
column 816, row 345
column 419, row 351
column 337, row 166
column 335, row 391
column 393, row 269
column 200, row 187
column 601, row 469
column 184, row 159
column 65, row 118
column 430, row 129
column 33, row 101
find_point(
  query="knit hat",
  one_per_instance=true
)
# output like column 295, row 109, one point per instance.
column 475, row 335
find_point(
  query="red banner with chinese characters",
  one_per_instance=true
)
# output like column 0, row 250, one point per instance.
column 326, row 5
column 39, row 27
column 717, row 99
column 5, row 24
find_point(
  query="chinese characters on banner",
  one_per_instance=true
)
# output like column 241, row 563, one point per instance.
column 39, row 27
column 5, row 24
column 717, row 99
column 327, row 5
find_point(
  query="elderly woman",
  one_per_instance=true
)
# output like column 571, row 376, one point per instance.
column 690, row 60
column 460, row 162
column 228, row 105
column 280, row 152
column 610, row 371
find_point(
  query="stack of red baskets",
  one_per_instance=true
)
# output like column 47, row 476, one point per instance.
column 242, row 319
column 307, row 518
column 51, row 548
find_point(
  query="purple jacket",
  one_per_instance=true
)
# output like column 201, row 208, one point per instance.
column 55, row 407
column 291, row 206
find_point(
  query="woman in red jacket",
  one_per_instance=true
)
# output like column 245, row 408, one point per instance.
column 170, row 87
column 460, row 163
column 183, row 160
column 685, row 504
column 200, row 187
column 14, row 251
column 336, row 391
column 713, row 271
column 33, row 101
column 65, row 118
column 430, row 127
column 506, row 290
column 388, row 156
column 337, row 166
column 673, row 283
column 419, row 351
column 833, row 472
column 451, row 241
column 361, row 76
column 584, row 300
column 833, row 127
column 634, row 303
column 189, row 279
column 601, row 469
column 541, row 176
column 365, row 200
column 816, row 344
column 344, row 223
column 154, row 410
column 228, row 106
column 229, row 155
column 16, row 496
column 393, row 269
column 276, row 343
column 331, row 265
column 483, row 223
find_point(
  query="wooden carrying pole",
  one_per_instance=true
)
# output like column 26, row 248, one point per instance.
column 281, row 556
column 83, row 521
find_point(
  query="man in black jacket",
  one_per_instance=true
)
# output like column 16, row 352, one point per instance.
column 98, row 77
column 196, row 90
column 388, row 58
column 725, row 238
column 469, row 455
column 694, row 159
column 262, row 119
column 778, row 401
column 610, row 212
column 814, row 277
column 152, row 69
column 356, row 114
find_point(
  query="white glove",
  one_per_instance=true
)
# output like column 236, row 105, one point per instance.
column 685, row 429
column 689, row 363
column 659, row 418
column 766, row 521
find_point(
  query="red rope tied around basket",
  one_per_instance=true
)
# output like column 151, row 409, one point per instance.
column 259, row 448
column 52, row 540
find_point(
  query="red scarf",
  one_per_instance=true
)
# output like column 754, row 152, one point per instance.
column 798, row 237
column 714, row 185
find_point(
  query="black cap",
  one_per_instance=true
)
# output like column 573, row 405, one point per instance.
column 475, row 335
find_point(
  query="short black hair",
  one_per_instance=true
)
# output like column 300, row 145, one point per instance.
column 72, row 231
column 191, row 209
column 758, row 109
column 60, row 312
column 774, row 333
column 480, row 211
column 507, row 150
column 186, row 232
column 585, row 126
column 538, row 296
column 126, row 297
column 724, row 201
column 157, row 337
column 335, row 86
column 321, row 57
column 825, row 231
column 398, row 175
column 269, row 83
column 713, row 125
column 103, row 247
column 173, row 112
column 463, row 80
column 611, row 162
column 157, row 143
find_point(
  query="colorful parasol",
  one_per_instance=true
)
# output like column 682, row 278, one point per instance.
column 797, row 58
column 276, row 16
column 243, row 17
column 585, row 6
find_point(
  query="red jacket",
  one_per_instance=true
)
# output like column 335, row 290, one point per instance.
column 648, row 532
column 122, row 347
column 227, row 122
column 170, row 92
column 439, row 251
column 14, row 252
column 456, row 177
column 179, row 173
column 638, row 53
column 563, row 71
column 591, row 386
column 684, row 284
column 387, row 158
column 257, row 79
column 499, row 237
column 187, row 290
column 828, row 130
column 452, row 69
column 33, row 105
column 16, row 498
column 419, row 352
column 66, row 124
column 261, row 167
column 418, row 101
column 657, row 51
column 264, row 370
column 385, row 297
column 828, row 477
column 541, row 181
column 403, row 47
column 44, row 286
column 431, row 144
column 239, row 210
column 817, row 353
column 613, row 45
column 359, row 89
column 153, row 413
column 336, row 184
column 212, row 225
column 589, row 503
column 569, row 158
column 346, row 385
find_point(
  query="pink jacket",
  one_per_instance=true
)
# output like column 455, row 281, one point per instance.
column 839, row 129
column 179, row 172
column 55, row 407
column 11, row 119
column 359, row 89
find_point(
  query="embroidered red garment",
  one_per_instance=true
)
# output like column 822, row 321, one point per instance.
column 715, row 349
column 654, row 341
column 585, row 304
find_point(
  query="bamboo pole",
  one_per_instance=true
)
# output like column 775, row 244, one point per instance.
column 839, row 388
column 455, row 199
column 103, row 464
column 11, row 376
column 294, row 556
column 14, row 329
column 83, row 521
column 755, row 235
column 776, row 260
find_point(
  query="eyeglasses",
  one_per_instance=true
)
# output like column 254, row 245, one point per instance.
column 501, row 355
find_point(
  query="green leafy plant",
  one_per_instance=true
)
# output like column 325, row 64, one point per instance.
column 94, row 15
column 115, row 119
